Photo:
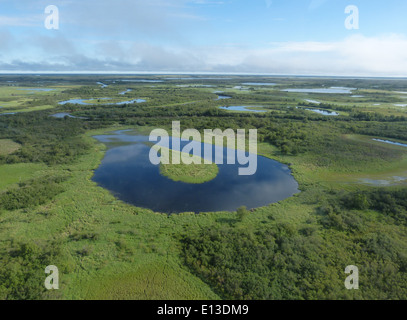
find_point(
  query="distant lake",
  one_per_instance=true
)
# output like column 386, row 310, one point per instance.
column 74, row 101
column 84, row 101
column 391, row 142
column 312, row 101
column 197, row 79
column 243, row 108
column 62, row 115
column 339, row 90
column 222, row 97
column 196, row 86
column 141, row 80
column 38, row 89
column 128, row 173
column 102, row 85
column 8, row 113
column 324, row 112
column 259, row 84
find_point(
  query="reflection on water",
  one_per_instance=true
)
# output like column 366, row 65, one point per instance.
column 259, row 84
column 223, row 97
column 312, row 101
column 340, row 90
column 324, row 112
column 62, row 115
column 391, row 142
column 128, row 173
column 88, row 102
column 142, row 80
column 242, row 108
column 38, row 89
column 102, row 85
column 7, row 114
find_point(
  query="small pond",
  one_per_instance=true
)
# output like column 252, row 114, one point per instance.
column 128, row 173
column 258, row 84
column 324, row 112
column 243, row 108
column 87, row 102
column 338, row 90
column 391, row 142
column 222, row 97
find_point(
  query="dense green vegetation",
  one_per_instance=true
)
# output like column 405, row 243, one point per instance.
column 52, row 213
column 22, row 269
column 297, row 262
column 31, row 193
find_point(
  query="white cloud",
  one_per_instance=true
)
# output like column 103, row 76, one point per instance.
column 356, row 55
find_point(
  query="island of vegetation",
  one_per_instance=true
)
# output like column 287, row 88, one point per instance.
column 189, row 173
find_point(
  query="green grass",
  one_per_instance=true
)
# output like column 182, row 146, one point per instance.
column 14, row 173
column 189, row 173
column 156, row 279
column 32, row 109
column 115, row 238
column 8, row 146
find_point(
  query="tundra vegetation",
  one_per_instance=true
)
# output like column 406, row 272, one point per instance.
column 352, row 208
column 196, row 172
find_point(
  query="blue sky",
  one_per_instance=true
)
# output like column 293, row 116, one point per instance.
column 220, row 36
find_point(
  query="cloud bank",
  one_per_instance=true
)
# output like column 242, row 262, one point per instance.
column 164, row 36
column 355, row 55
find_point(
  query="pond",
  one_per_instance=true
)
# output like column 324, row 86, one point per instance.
column 87, row 102
column 242, row 108
column 391, row 142
column 324, row 112
column 196, row 78
column 259, row 84
column 8, row 113
column 102, row 85
column 312, row 101
column 62, row 115
column 142, row 80
column 128, row 173
column 338, row 90
column 196, row 86
column 223, row 97
column 37, row 89
column 124, row 92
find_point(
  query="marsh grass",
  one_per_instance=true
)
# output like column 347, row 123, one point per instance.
column 189, row 173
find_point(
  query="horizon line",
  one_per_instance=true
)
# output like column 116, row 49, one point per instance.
column 158, row 73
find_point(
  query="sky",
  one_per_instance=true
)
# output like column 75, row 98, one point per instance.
column 287, row 37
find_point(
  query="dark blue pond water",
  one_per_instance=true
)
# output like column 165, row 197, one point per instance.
column 128, row 173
